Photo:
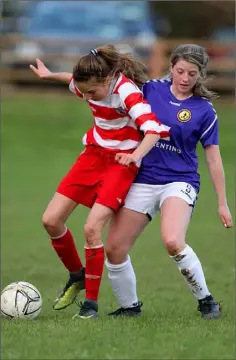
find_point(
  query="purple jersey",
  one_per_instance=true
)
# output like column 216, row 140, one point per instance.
column 191, row 120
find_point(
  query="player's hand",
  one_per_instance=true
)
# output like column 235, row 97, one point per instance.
column 125, row 159
column 41, row 70
column 225, row 216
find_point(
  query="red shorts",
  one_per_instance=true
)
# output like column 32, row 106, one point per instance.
column 97, row 177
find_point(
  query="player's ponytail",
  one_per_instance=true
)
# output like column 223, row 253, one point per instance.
column 108, row 61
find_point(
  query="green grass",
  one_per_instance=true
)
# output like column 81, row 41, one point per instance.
column 41, row 137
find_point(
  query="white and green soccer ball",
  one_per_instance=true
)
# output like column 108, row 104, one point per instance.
column 20, row 300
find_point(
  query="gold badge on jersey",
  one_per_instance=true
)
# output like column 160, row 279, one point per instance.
column 184, row 115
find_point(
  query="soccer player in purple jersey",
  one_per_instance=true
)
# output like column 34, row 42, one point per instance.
column 168, row 181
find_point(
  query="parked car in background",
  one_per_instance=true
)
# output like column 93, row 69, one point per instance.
column 59, row 32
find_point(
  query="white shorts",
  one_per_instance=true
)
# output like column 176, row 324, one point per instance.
column 148, row 199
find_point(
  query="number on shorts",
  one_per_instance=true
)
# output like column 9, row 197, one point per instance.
column 188, row 189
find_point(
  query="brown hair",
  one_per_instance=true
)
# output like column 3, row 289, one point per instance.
column 108, row 61
column 197, row 55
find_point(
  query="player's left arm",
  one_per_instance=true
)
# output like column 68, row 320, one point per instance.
column 216, row 170
column 210, row 142
column 140, row 111
column 209, row 138
column 145, row 146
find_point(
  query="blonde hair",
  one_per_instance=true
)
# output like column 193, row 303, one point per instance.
column 197, row 55
column 108, row 61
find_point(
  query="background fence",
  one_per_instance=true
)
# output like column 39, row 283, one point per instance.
column 221, row 66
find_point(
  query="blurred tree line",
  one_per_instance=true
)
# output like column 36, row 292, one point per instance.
column 194, row 19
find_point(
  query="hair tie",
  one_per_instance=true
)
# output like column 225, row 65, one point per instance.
column 94, row 52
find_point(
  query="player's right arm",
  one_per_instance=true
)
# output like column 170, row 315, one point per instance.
column 44, row 73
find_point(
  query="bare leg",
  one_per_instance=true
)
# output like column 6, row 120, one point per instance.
column 56, row 214
column 54, row 218
column 125, row 227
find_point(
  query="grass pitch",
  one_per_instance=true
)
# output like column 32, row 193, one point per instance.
column 41, row 138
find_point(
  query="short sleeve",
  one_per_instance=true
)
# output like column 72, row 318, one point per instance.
column 209, row 131
column 145, row 89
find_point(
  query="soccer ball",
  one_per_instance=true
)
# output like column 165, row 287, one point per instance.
column 20, row 300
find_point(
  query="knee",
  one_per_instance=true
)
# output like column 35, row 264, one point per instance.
column 116, row 254
column 173, row 244
column 50, row 222
column 92, row 235
column 112, row 250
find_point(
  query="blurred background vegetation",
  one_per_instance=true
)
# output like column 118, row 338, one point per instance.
column 60, row 31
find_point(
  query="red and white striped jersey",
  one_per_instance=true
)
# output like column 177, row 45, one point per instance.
column 120, row 116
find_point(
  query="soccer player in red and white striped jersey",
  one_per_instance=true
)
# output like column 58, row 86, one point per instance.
column 119, row 118
column 124, row 130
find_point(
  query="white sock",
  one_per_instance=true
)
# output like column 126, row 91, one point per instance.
column 190, row 267
column 123, row 282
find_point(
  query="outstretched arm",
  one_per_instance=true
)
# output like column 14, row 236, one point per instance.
column 216, row 170
column 141, row 113
column 145, row 146
column 44, row 73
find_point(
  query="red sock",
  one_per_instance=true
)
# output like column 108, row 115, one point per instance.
column 93, row 271
column 65, row 248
